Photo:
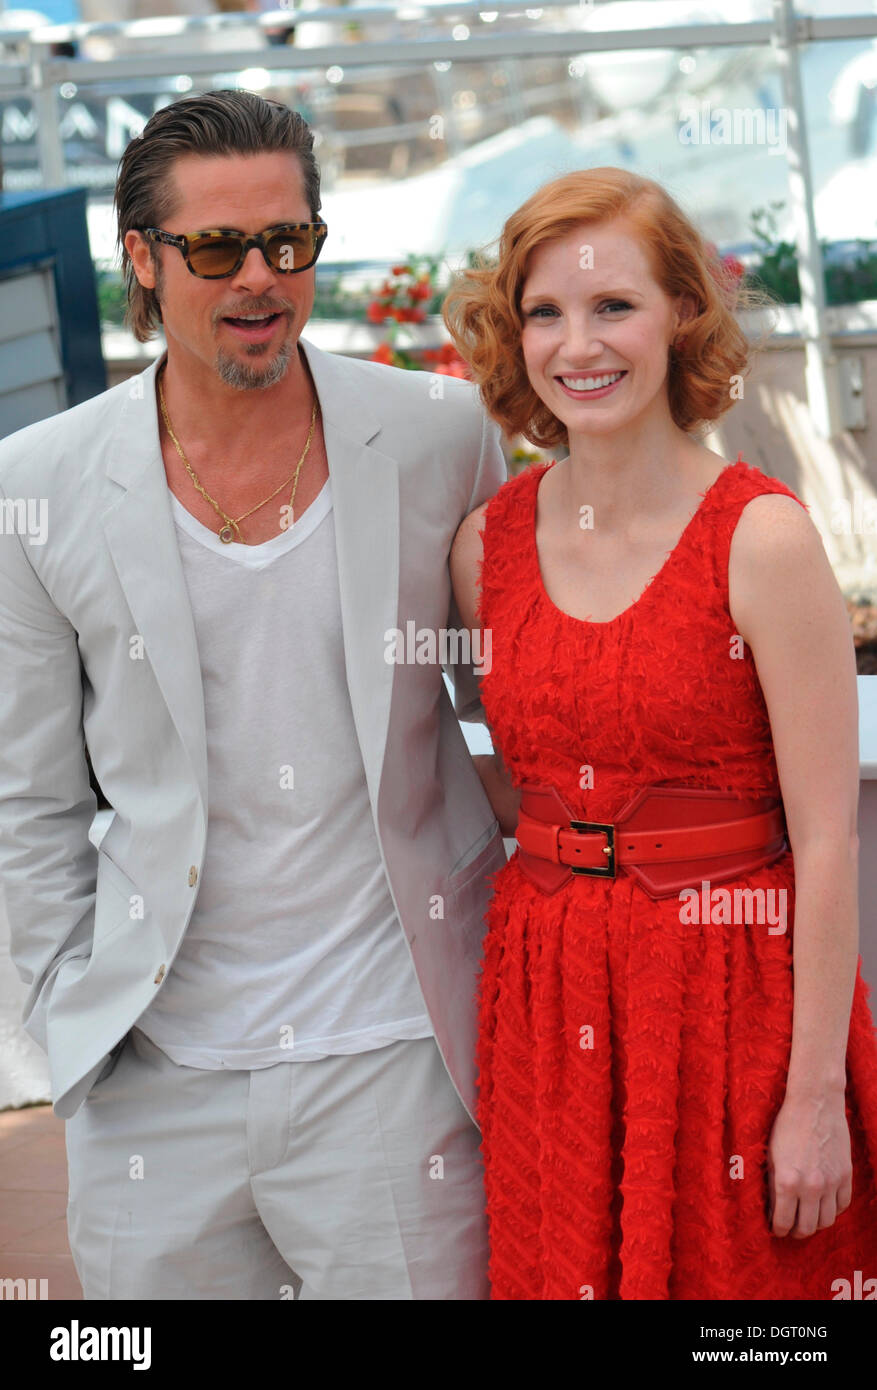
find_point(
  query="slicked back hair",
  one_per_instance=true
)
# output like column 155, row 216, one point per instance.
column 211, row 124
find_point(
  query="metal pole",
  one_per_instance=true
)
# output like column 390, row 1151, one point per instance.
column 517, row 106
column 44, row 96
column 444, row 86
column 821, row 364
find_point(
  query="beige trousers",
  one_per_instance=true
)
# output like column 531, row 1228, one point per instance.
column 355, row 1177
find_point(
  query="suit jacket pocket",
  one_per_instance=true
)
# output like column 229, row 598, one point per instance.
column 467, row 864
column 113, row 904
column 469, row 887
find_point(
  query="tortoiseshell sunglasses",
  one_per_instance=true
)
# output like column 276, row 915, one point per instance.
column 214, row 255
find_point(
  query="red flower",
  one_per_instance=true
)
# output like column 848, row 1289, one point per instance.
column 400, row 270
column 376, row 313
column 384, row 354
column 726, row 271
column 448, row 362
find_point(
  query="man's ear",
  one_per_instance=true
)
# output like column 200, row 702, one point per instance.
column 138, row 249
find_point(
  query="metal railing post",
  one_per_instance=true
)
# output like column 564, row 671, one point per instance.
column 820, row 363
column 44, row 96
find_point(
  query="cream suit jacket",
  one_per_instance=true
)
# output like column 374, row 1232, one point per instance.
column 98, row 648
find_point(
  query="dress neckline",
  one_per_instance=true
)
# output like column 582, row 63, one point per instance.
column 705, row 497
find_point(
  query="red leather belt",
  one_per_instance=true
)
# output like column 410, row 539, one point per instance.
column 667, row 838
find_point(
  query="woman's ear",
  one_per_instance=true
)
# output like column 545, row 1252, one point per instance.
column 686, row 309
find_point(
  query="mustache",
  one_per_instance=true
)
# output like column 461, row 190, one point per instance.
column 258, row 307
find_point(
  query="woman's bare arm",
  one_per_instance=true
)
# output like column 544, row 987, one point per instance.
column 788, row 608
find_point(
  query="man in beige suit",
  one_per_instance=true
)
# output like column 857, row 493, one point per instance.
column 258, row 996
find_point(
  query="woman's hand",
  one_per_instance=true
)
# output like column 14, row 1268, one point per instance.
column 810, row 1171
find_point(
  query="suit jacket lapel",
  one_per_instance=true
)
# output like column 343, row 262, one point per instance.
column 140, row 532
column 365, row 498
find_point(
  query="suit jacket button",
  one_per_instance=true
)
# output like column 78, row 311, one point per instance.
column 193, row 876
column 160, row 976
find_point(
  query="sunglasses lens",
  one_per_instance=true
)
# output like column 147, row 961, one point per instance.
column 292, row 249
column 214, row 255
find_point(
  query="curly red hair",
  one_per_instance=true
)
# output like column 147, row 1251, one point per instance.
column 482, row 308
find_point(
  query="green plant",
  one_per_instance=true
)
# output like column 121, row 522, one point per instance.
column 333, row 301
column 777, row 269
column 408, row 294
column 855, row 281
column 847, row 281
column 112, row 298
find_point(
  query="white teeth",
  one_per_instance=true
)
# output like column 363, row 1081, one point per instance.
column 590, row 383
column 252, row 318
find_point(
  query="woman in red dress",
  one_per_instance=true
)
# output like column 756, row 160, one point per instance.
column 668, row 1110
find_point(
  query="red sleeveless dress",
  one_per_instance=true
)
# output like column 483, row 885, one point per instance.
column 631, row 1065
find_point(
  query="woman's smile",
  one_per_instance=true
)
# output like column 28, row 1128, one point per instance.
column 592, row 386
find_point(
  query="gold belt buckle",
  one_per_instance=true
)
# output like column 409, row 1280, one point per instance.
column 609, row 848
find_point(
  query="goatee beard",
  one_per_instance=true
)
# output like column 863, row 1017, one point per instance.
column 245, row 376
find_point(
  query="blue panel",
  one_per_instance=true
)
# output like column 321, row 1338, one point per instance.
column 50, row 228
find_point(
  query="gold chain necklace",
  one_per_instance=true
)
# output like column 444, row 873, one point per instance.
column 227, row 533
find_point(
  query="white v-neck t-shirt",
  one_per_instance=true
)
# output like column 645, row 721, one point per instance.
column 294, row 951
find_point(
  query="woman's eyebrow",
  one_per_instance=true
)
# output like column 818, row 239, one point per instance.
column 598, row 294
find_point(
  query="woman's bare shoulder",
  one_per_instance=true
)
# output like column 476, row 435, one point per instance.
column 468, row 542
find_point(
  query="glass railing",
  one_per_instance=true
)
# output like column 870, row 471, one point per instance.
column 469, row 136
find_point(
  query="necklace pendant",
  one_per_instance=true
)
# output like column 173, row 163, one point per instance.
column 226, row 535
